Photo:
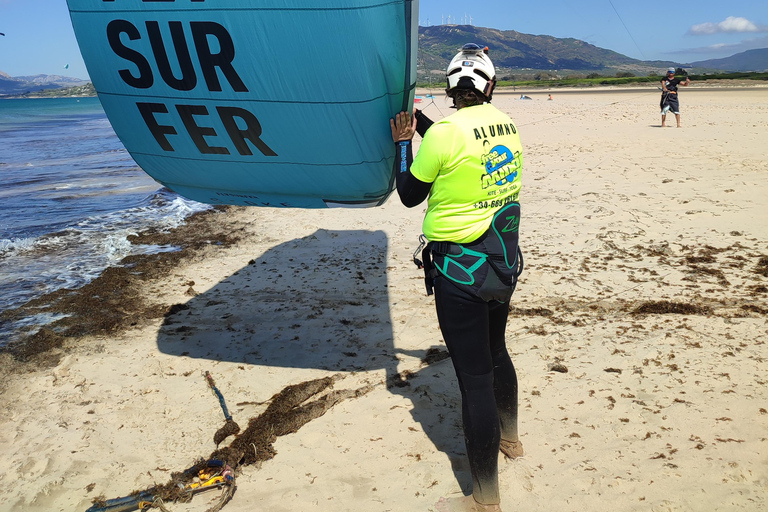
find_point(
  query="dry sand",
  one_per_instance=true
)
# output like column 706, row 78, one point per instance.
column 646, row 278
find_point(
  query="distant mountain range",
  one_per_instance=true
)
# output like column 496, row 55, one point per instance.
column 510, row 50
column 750, row 60
column 517, row 51
column 13, row 85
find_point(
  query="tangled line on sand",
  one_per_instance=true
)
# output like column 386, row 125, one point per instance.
column 288, row 411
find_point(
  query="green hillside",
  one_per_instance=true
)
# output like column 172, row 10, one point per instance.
column 514, row 50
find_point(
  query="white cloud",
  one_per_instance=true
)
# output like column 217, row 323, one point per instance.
column 731, row 24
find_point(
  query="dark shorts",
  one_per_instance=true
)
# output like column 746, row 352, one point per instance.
column 669, row 103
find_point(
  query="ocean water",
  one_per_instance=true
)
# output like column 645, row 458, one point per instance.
column 70, row 195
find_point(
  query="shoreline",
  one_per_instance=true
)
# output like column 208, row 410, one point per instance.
column 82, row 316
column 638, row 331
column 621, row 90
column 701, row 85
column 731, row 84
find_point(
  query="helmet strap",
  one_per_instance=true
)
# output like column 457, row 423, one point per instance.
column 489, row 87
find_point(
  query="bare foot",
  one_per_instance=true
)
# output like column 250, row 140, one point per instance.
column 511, row 449
column 464, row 504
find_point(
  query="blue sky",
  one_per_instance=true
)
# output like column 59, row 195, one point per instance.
column 39, row 37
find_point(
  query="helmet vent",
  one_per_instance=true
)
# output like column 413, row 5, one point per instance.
column 483, row 75
column 466, row 82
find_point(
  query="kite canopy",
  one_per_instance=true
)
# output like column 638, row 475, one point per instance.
column 269, row 103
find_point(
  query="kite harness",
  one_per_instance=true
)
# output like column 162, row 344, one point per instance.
column 488, row 266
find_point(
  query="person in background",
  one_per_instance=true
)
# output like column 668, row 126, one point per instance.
column 669, row 101
column 469, row 167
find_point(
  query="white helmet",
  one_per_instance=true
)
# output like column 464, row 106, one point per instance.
column 471, row 68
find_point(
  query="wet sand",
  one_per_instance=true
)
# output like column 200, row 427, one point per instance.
column 638, row 331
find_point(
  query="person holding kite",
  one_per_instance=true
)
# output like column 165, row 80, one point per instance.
column 469, row 167
column 669, row 101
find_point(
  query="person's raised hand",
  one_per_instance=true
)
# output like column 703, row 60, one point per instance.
column 403, row 126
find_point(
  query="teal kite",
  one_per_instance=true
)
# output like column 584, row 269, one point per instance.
column 269, row 103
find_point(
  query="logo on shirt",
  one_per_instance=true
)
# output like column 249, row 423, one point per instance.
column 501, row 165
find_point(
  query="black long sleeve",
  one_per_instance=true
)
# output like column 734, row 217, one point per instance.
column 422, row 123
column 411, row 190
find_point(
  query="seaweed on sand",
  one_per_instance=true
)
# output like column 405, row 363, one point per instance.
column 665, row 307
column 288, row 411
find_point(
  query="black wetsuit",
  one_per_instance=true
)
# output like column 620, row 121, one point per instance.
column 473, row 330
column 474, row 335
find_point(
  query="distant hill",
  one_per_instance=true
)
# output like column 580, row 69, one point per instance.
column 15, row 85
column 750, row 60
column 77, row 91
column 515, row 50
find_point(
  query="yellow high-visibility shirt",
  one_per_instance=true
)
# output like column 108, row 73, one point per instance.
column 474, row 161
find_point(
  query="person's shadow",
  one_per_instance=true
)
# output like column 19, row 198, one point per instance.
column 319, row 302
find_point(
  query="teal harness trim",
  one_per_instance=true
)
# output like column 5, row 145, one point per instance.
column 449, row 260
column 507, row 220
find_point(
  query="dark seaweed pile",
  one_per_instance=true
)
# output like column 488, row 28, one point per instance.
column 115, row 300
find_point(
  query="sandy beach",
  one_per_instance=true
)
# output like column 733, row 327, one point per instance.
column 638, row 332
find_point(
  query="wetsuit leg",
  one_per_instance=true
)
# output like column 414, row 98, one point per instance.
column 465, row 322
column 504, row 374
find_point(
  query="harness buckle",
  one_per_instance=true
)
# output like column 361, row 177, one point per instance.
column 422, row 244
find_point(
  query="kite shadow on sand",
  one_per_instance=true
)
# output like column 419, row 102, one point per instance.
column 319, row 302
